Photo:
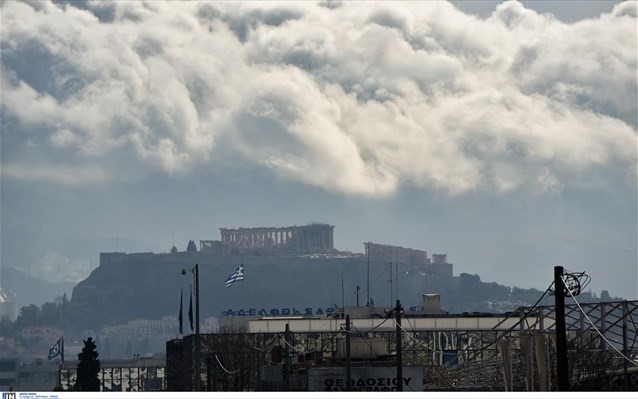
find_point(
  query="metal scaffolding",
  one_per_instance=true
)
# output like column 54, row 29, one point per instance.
column 519, row 358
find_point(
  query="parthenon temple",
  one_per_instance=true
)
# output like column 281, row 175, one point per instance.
column 313, row 237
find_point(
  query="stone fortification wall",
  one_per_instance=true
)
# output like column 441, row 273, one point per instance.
column 392, row 253
column 217, row 260
column 380, row 254
column 416, row 258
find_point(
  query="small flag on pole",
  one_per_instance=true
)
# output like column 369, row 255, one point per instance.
column 181, row 317
column 56, row 350
column 238, row 275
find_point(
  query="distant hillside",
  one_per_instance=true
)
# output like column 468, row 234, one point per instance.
column 148, row 286
column 24, row 289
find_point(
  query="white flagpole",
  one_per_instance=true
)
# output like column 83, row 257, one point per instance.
column 243, row 290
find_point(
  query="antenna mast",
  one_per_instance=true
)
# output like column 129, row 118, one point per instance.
column 396, row 277
column 390, row 281
column 343, row 305
column 368, row 291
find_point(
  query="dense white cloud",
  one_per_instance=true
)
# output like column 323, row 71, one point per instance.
column 356, row 98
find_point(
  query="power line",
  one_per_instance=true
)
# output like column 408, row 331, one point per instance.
column 505, row 332
column 575, row 281
column 596, row 328
column 377, row 354
column 224, row 368
column 287, row 343
column 414, row 337
column 445, row 377
column 518, row 322
column 264, row 349
column 367, row 331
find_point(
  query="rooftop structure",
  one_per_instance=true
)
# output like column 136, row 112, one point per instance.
column 477, row 352
column 120, row 375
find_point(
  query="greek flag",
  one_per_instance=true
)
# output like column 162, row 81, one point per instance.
column 56, row 349
column 238, row 275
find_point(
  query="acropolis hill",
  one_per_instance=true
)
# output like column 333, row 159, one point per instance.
column 261, row 245
column 295, row 266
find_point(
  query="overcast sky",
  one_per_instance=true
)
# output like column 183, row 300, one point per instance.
column 502, row 134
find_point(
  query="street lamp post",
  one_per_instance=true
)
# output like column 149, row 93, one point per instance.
column 198, row 374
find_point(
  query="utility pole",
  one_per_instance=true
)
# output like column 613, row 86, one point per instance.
column 261, row 368
column 215, row 376
column 343, row 300
column 562, row 371
column 625, row 352
column 396, row 278
column 368, row 291
column 211, row 374
column 287, row 364
column 198, row 366
column 397, row 312
column 390, row 281
column 348, row 356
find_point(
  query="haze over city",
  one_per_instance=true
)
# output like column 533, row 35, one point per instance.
column 501, row 134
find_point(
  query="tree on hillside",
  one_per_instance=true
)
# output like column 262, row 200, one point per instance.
column 88, row 368
column 50, row 313
column 29, row 316
column 191, row 246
